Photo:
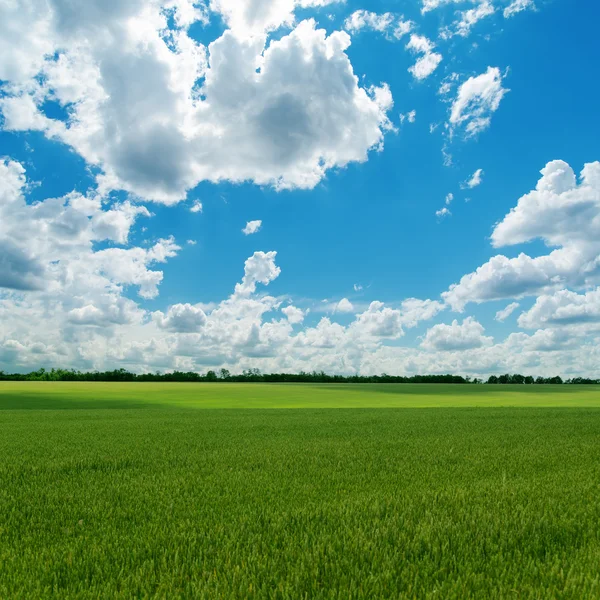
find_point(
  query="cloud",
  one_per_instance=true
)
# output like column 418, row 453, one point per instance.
column 563, row 308
column 248, row 18
column 181, row 318
column 379, row 321
column 392, row 25
column 196, row 207
column 465, row 336
column 503, row 314
column 449, row 198
column 429, row 60
column 561, row 212
column 474, row 180
column 157, row 113
column 252, row 227
column 468, row 19
column 517, row 6
column 409, row 116
column 477, row 100
column 442, row 213
column 344, row 306
column 259, row 268
column 294, row 315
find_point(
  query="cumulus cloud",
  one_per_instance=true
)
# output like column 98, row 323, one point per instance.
column 561, row 212
column 259, row 268
column 442, row 213
column 181, row 318
column 344, row 306
column 196, row 207
column 477, row 100
column 563, row 308
column 157, row 113
column 294, row 315
column 252, row 227
column 456, row 336
column 428, row 60
column 503, row 314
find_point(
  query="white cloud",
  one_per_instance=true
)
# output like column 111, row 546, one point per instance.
column 249, row 18
column 259, row 268
column 443, row 213
column 252, row 227
column 409, row 116
column 562, row 213
column 392, row 25
column 429, row 60
column 158, row 113
column 474, row 180
column 357, row 287
column 344, row 306
column 469, row 18
column 517, row 6
column 294, row 315
column 181, row 318
column 477, row 100
column 449, row 198
column 196, row 207
column 503, row 314
column 563, row 309
column 466, row 336
column 379, row 321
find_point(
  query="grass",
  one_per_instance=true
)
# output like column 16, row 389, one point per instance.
column 160, row 500
column 54, row 395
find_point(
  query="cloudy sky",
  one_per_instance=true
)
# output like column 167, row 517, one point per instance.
column 400, row 186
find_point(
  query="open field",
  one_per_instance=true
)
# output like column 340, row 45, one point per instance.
column 158, row 499
column 53, row 395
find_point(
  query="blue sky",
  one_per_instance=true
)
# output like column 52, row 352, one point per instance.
column 118, row 118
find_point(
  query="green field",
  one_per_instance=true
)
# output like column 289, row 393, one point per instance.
column 111, row 490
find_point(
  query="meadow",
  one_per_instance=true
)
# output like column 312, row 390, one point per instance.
column 133, row 490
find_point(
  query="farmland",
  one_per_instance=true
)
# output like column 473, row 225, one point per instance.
column 131, row 490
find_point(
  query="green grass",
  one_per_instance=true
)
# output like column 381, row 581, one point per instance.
column 159, row 499
column 50, row 395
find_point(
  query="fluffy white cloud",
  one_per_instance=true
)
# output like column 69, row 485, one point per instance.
column 474, row 180
column 158, row 113
column 181, row 318
column 562, row 213
column 449, row 199
column 393, row 26
column 379, row 321
column 294, row 315
column 429, row 60
column 476, row 101
column 442, row 213
column 259, row 268
column 344, row 306
column 465, row 336
column 196, row 207
column 563, row 309
column 255, row 17
column 517, row 6
column 252, row 227
column 503, row 314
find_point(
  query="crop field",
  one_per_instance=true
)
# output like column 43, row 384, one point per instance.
column 357, row 491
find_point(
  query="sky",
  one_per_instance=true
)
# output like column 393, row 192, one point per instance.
column 382, row 186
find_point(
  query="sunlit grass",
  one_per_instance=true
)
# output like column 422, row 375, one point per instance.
column 155, row 500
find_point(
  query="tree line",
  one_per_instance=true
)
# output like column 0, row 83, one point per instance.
column 255, row 375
